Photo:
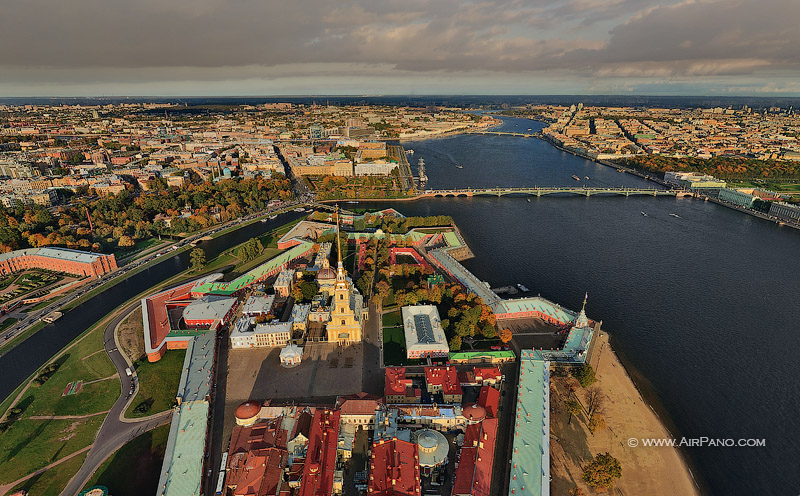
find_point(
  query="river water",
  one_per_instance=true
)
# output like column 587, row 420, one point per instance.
column 703, row 308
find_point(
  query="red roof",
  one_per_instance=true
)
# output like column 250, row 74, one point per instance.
column 359, row 404
column 394, row 469
column 263, row 434
column 395, row 381
column 489, row 398
column 257, row 473
column 444, row 377
column 247, row 410
column 487, row 373
column 474, row 472
column 321, row 456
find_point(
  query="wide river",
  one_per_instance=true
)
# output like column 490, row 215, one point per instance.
column 703, row 309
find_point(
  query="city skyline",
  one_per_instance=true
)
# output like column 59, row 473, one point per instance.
column 724, row 48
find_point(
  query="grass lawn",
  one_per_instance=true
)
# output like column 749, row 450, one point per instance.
column 394, row 341
column 392, row 319
column 40, row 305
column 158, row 383
column 139, row 246
column 32, row 444
column 53, row 481
column 221, row 260
column 134, row 469
column 81, row 362
column 7, row 323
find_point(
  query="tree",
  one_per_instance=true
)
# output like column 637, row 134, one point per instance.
column 124, row 241
column 585, row 375
column 574, row 408
column 594, row 400
column 309, row 289
column 601, row 471
column 505, row 335
column 197, row 258
column 455, row 343
column 383, row 289
column 596, row 422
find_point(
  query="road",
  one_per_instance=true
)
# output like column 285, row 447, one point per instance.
column 115, row 431
column 36, row 316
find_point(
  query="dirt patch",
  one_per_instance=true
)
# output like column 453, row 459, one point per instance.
column 130, row 335
column 69, row 432
column 645, row 470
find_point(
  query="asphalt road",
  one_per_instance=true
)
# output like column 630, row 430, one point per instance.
column 115, row 432
column 33, row 317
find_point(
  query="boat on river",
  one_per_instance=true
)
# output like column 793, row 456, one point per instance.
column 575, row 177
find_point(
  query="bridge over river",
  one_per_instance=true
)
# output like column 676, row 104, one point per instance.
column 506, row 133
column 541, row 191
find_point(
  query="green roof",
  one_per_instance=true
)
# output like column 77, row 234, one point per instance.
column 452, row 239
column 183, row 461
column 256, row 274
column 467, row 355
column 530, row 456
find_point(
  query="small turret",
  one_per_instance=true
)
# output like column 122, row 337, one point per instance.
column 582, row 320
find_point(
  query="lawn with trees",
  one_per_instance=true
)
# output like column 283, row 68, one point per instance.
column 158, row 384
column 125, row 219
column 721, row 167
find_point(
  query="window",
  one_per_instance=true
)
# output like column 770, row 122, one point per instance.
column 341, row 297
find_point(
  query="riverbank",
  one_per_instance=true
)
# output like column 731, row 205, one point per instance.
column 629, row 419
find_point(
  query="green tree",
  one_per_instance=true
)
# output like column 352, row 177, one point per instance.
column 574, row 408
column 197, row 258
column 601, row 471
column 455, row 343
column 585, row 375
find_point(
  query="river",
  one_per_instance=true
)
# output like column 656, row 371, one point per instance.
column 702, row 309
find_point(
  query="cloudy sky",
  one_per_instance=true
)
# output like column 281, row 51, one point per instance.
column 308, row 47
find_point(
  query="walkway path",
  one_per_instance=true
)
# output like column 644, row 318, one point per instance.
column 63, row 417
column 115, row 431
column 11, row 485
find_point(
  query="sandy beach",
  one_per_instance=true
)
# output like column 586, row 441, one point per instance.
column 645, row 470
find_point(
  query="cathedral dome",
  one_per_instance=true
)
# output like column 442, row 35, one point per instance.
column 326, row 274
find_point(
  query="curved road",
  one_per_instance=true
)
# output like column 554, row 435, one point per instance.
column 115, row 430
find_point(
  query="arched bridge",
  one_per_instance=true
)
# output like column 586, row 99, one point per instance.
column 505, row 133
column 540, row 191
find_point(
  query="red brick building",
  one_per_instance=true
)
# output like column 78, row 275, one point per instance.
column 79, row 263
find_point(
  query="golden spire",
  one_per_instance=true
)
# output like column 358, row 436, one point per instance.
column 340, row 267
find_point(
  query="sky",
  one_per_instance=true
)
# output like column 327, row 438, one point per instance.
column 408, row 47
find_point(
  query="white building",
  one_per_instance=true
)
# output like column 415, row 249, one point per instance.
column 272, row 334
column 423, row 332
column 242, row 334
column 291, row 355
column 377, row 168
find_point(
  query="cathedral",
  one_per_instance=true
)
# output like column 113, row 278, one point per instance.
column 347, row 307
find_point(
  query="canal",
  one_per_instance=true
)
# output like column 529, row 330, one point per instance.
column 20, row 362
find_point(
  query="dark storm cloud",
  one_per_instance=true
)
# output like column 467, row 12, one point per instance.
column 256, row 38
